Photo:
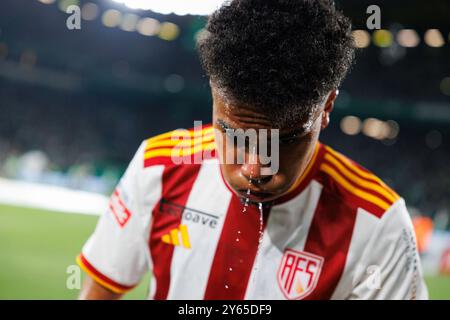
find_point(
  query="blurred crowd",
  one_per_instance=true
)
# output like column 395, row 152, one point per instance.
column 63, row 141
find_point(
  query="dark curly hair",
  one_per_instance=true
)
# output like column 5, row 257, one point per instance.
column 281, row 56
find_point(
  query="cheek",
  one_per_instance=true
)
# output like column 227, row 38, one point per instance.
column 219, row 144
column 231, row 174
column 287, row 173
column 294, row 159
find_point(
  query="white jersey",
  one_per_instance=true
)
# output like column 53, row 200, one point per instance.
column 340, row 233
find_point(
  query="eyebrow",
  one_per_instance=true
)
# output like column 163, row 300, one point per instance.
column 297, row 133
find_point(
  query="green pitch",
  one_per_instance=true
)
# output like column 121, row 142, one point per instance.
column 37, row 246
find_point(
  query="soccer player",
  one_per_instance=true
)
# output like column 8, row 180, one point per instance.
column 319, row 227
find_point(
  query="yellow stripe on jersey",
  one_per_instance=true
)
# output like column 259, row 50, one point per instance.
column 181, row 133
column 166, row 238
column 361, row 172
column 174, row 237
column 352, row 189
column 179, row 152
column 181, row 142
column 359, row 181
column 185, row 236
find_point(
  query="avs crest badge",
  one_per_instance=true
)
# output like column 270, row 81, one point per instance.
column 298, row 273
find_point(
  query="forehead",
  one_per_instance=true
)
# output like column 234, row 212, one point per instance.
column 239, row 116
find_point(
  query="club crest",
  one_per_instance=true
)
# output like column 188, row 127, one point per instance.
column 298, row 273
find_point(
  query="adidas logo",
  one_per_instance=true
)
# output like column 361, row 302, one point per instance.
column 177, row 234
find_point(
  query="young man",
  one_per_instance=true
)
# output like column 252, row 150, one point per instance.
column 328, row 229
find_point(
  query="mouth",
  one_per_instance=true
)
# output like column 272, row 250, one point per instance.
column 256, row 196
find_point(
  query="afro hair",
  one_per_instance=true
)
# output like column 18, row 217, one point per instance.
column 281, row 56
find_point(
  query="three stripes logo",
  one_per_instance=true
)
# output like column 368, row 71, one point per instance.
column 178, row 237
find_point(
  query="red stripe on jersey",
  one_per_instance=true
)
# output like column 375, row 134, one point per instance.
column 329, row 237
column 236, row 249
column 100, row 277
column 177, row 182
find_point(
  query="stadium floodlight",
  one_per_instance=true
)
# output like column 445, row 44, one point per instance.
column 179, row 7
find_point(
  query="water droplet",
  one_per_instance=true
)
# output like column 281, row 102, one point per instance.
column 261, row 233
column 247, row 200
column 237, row 239
column 231, row 269
column 239, row 232
column 226, row 286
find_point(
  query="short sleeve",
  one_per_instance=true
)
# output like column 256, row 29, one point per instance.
column 390, row 267
column 116, row 254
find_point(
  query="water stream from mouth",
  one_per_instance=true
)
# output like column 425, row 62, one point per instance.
column 260, row 239
column 247, row 200
column 251, row 160
column 261, row 214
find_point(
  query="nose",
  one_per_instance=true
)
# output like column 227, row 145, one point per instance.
column 252, row 172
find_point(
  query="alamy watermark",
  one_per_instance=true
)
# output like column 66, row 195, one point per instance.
column 373, row 22
column 73, row 281
column 373, row 280
column 73, row 22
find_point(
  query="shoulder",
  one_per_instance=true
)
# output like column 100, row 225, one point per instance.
column 356, row 186
column 166, row 161
column 179, row 147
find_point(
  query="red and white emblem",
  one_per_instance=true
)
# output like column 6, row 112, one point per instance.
column 119, row 209
column 298, row 273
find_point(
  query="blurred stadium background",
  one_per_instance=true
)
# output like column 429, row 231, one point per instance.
column 75, row 104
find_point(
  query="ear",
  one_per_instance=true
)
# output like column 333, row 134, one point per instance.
column 329, row 105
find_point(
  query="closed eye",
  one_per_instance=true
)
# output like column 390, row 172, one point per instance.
column 288, row 141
